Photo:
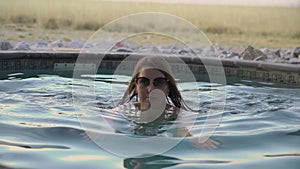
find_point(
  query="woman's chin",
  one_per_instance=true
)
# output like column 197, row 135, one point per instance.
column 147, row 100
column 145, row 105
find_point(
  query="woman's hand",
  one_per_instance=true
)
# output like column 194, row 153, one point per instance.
column 206, row 144
column 197, row 141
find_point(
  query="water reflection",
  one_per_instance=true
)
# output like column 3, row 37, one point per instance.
column 161, row 161
column 155, row 161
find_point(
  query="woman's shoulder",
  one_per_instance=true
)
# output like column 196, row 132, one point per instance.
column 126, row 107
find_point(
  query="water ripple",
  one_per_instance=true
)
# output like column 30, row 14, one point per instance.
column 32, row 146
column 39, row 121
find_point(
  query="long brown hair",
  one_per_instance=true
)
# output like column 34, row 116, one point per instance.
column 159, row 63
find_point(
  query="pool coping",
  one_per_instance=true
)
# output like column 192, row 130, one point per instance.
column 286, row 74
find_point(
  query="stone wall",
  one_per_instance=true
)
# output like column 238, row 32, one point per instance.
column 32, row 63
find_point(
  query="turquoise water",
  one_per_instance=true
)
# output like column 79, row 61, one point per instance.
column 39, row 127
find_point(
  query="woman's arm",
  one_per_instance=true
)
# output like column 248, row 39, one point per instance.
column 196, row 141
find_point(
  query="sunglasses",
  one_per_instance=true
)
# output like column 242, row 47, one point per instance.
column 157, row 82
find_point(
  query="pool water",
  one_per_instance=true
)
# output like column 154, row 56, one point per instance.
column 41, row 128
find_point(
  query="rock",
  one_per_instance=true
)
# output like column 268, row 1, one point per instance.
column 40, row 45
column 261, row 58
column 90, row 46
column 126, row 50
column 103, row 45
column 119, row 45
column 56, row 44
column 142, row 49
column 250, row 53
column 296, row 52
column 265, row 50
column 22, row 46
column 75, row 44
column 197, row 50
column 183, row 52
column 287, row 51
column 209, row 52
column 224, row 52
column 277, row 53
column 222, row 56
column 220, row 48
column 187, row 51
column 155, row 50
column 174, row 47
column 294, row 61
column 221, row 51
column 239, row 50
column 273, row 56
column 279, row 60
column 5, row 45
column 233, row 55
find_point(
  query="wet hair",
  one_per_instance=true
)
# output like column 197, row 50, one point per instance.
column 155, row 62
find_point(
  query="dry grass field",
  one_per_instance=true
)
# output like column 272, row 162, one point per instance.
column 225, row 25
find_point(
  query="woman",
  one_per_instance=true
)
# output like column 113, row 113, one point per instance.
column 161, row 68
column 154, row 94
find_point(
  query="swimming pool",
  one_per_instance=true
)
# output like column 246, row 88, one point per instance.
column 40, row 128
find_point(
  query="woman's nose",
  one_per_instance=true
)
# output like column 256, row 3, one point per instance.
column 151, row 87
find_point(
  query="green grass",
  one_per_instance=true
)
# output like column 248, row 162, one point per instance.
column 225, row 25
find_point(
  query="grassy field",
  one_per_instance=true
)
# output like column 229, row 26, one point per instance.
column 277, row 27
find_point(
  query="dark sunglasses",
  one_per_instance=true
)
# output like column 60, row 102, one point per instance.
column 157, row 82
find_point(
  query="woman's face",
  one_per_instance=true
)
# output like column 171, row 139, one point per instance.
column 148, row 80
